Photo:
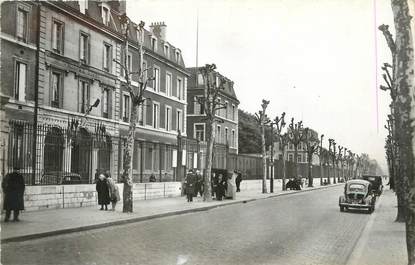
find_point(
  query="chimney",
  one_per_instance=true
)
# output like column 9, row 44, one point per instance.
column 159, row 30
column 123, row 6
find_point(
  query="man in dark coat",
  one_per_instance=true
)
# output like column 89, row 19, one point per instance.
column 13, row 189
column 190, row 186
column 238, row 181
column 103, row 192
column 199, row 184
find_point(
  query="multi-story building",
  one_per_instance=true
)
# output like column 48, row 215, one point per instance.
column 83, row 107
column 227, row 128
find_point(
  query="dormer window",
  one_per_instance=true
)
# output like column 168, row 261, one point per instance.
column 83, row 6
column 177, row 56
column 105, row 16
column 166, row 51
column 153, row 43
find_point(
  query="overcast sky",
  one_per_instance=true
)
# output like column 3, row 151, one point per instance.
column 314, row 59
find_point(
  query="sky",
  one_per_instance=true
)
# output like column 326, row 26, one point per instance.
column 317, row 60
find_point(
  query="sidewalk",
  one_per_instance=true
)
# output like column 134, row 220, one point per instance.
column 383, row 240
column 44, row 223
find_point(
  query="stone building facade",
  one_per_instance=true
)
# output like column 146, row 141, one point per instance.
column 83, row 108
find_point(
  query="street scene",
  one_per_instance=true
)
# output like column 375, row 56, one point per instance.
column 207, row 132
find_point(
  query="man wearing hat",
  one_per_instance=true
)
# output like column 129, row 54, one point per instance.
column 13, row 188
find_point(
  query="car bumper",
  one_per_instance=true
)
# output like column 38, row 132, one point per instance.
column 353, row 205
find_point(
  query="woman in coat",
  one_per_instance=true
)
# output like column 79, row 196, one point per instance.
column 103, row 192
column 113, row 190
column 190, row 186
column 13, row 188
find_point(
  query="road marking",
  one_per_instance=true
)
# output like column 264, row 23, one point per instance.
column 362, row 240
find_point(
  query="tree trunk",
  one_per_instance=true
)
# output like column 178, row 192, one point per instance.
column 264, row 160
column 296, row 161
column 207, row 191
column 406, row 109
column 310, row 177
column 284, row 173
column 328, row 172
column 127, row 172
column 334, row 171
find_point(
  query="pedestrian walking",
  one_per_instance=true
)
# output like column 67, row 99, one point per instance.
column 238, row 181
column 103, row 192
column 13, row 188
column 199, row 184
column 231, row 186
column 221, row 187
column 190, row 186
column 113, row 191
column 96, row 176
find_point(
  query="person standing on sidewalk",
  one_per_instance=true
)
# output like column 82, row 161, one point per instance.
column 113, row 191
column 238, row 181
column 13, row 188
column 190, row 186
column 103, row 192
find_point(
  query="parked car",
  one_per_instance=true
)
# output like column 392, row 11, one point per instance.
column 60, row 178
column 377, row 185
column 359, row 194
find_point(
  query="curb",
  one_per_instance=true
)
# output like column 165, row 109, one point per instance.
column 149, row 217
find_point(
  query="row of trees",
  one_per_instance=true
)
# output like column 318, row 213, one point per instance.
column 337, row 157
column 400, row 141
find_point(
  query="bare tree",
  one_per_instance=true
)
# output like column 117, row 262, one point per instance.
column 339, row 159
column 312, row 146
column 296, row 135
column 211, row 104
column 320, row 158
column 280, row 124
column 332, row 146
column 404, row 82
column 262, row 119
column 137, row 99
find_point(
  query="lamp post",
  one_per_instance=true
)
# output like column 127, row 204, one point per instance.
column 320, row 158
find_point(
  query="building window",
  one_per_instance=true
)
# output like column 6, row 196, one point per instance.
column 84, row 48
column 156, row 115
column 108, row 57
column 233, row 139
column 299, row 158
column 199, row 132
column 166, row 51
column 56, row 89
column 126, row 108
column 168, row 118
column 57, row 37
column 156, row 75
column 22, row 24
column 179, row 121
column 218, row 135
column 200, row 80
column 154, row 43
column 83, row 6
column 141, row 114
column 290, row 157
column 180, row 92
column 168, row 84
column 105, row 16
column 105, row 103
column 177, row 56
column 226, row 136
column 226, row 110
column 233, row 112
column 20, row 81
column 84, row 96
column 130, row 63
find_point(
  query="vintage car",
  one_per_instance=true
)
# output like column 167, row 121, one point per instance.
column 376, row 182
column 358, row 193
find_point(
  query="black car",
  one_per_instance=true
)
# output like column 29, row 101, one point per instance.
column 358, row 194
column 376, row 181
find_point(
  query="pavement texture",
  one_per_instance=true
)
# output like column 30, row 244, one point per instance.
column 383, row 240
column 59, row 221
column 300, row 228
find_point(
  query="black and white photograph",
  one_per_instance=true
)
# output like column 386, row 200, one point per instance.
column 199, row 132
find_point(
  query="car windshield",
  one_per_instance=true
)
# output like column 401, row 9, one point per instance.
column 357, row 188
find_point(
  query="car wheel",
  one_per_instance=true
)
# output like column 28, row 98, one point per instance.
column 341, row 208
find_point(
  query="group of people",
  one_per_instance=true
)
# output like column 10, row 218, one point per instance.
column 107, row 191
column 193, row 185
column 223, row 185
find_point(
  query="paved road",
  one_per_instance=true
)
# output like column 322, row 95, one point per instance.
column 305, row 228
